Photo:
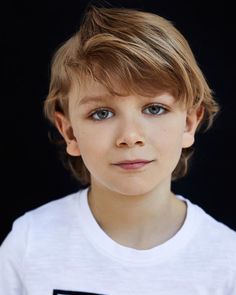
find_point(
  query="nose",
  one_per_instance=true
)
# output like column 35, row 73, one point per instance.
column 130, row 135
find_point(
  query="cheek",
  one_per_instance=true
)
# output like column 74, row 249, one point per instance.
column 92, row 141
column 168, row 140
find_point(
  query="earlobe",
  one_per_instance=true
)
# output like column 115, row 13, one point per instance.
column 193, row 119
column 73, row 148
column 64, row 127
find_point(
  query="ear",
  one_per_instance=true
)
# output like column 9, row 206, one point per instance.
column 64, row 127
column 194, row 117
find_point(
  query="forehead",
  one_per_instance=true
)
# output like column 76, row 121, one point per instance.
column 91, row 92
column 91, row 88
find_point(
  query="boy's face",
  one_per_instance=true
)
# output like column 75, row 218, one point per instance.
column 118, row 129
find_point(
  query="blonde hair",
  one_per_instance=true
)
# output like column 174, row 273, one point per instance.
column 141, row 51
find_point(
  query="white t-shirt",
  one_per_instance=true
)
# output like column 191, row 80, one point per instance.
column 59, row 248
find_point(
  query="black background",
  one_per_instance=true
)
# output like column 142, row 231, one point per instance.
column 31, row 171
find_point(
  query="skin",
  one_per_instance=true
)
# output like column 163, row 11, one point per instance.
column 136, row 208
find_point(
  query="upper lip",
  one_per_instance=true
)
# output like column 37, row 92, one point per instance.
column 133, row 161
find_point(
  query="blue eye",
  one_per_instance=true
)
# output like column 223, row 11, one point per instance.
column 103, row 114
column 156, row 109
column 100, row 115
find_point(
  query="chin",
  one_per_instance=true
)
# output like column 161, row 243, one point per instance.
column 131, row 189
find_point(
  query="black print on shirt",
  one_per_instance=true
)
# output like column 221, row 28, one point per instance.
column 64, row 292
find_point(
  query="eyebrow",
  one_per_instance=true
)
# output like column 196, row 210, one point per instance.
column 98, row 98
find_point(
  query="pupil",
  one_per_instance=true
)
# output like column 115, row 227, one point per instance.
column 103, row 114
column 155, row 109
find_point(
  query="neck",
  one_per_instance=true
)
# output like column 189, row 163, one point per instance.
column 137, row 220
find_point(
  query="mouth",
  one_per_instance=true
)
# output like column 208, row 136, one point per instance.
column 133, row 164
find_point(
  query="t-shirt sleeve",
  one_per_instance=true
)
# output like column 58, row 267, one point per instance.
column 12, row 255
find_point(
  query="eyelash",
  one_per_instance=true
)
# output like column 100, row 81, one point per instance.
column 96, row 111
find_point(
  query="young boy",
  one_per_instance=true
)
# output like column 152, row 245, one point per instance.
column 127, row 96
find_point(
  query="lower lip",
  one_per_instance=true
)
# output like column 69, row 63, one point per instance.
column 130, row 166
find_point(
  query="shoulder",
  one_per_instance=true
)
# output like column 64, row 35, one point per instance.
column 58, row 213
column 215, row 238
column 215, row 229
column 54, row 212
column 50, row 219
column 209, row 227
column 37, row 231
column 212, row 245
column 54, row 208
